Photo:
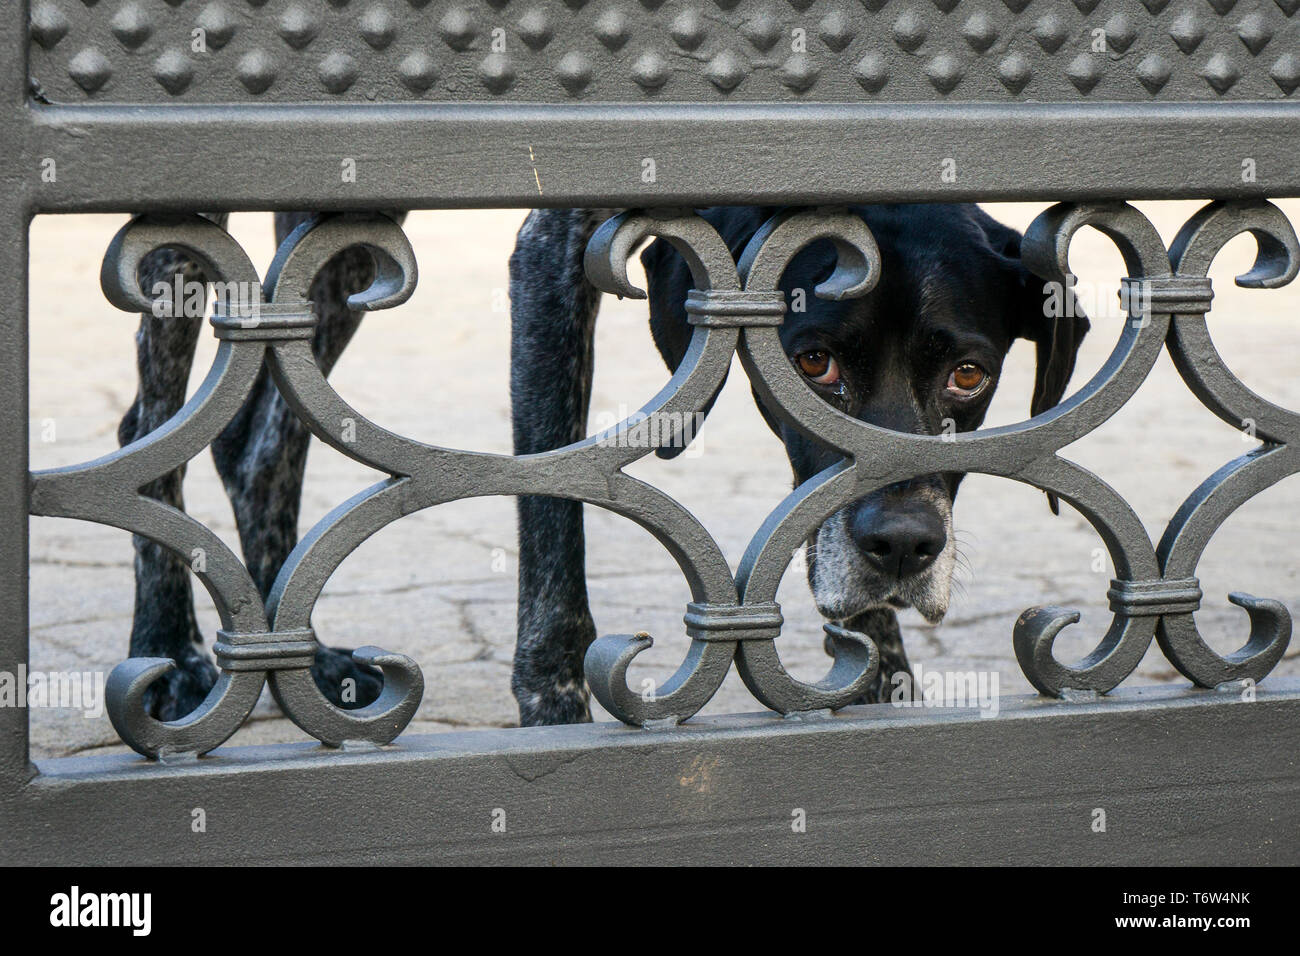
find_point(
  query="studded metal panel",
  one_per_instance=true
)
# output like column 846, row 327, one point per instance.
column 842, row 51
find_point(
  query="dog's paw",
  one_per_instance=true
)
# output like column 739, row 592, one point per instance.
column 344, row 682
column 567, row 704
column 180, row 691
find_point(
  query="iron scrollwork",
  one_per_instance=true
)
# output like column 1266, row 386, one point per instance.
column 1154, row 592
column 1207, row 375
column 720, row 626
column 735, row 307
column 876, row 457
column 249, row 652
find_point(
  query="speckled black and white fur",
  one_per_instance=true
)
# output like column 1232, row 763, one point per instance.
column 952, row 288
column 260, row 457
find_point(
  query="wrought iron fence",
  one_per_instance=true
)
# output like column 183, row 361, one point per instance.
column 733, row 307
column 169, row 107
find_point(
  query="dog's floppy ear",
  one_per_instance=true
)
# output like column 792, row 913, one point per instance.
column 668, row 280
column 1054, row 323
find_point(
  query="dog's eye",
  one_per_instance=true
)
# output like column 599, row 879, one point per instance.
column 967, row 380
column 819, row 366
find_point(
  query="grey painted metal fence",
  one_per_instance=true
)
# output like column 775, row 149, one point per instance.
column 160, row 108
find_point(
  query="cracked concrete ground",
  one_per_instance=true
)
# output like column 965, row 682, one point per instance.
column 439, row 585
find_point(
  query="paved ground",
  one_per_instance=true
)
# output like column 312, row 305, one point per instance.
column 439, row 585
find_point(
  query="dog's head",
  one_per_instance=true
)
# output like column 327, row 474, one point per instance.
column 921, row 353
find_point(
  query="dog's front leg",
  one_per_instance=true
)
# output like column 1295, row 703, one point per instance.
column 164, row 623
column 553, row 312
column 262, row 455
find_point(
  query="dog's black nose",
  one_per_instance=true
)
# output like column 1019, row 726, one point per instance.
column 899, row 541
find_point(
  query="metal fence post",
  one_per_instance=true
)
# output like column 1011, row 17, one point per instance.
column 14, row 222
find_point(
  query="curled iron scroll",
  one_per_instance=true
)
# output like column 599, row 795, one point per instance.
column 1045, row 250
column 856, row 272
column 299, row 259
column 1207, row 375
column 707, row 660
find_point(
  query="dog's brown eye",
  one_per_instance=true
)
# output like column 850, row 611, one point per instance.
column 819, row 366
column 967, row 379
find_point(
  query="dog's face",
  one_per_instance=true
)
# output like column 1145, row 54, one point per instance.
column 921, row 353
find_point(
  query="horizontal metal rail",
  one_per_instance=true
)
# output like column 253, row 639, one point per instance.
column 1179, row 776
column 411, row 156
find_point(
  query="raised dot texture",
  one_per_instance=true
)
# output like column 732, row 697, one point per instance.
column 1221, row 73
column 417, row 71
column 218, row 25
column 49, row 25
column 944, row 72
column 1254, row 32
column 90, row 69
column 1285, row 72
column 1084, row 73
column 1187, row 31
column 1014, row 72
column 131, row 26
column 297, row 27
column 1050, row 31
column 979, row 31
column 872, row 73
column 650, row 71
column 725, row 71
column 763, row 29
column 798, row 73
column 457, row 29
column 255, row 71
column 377, row 27
column 535, row 28
column 835, row 30
column 1120, row 33
column 574, row 72
column 337, row 72
column 173, row 71
column 148, row 50
column 909, row 31
column 611, row 28
column 1154, row 72
column 496, row 72
column 687, row 29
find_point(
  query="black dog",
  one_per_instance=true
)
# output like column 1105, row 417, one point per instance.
column 925, row 346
